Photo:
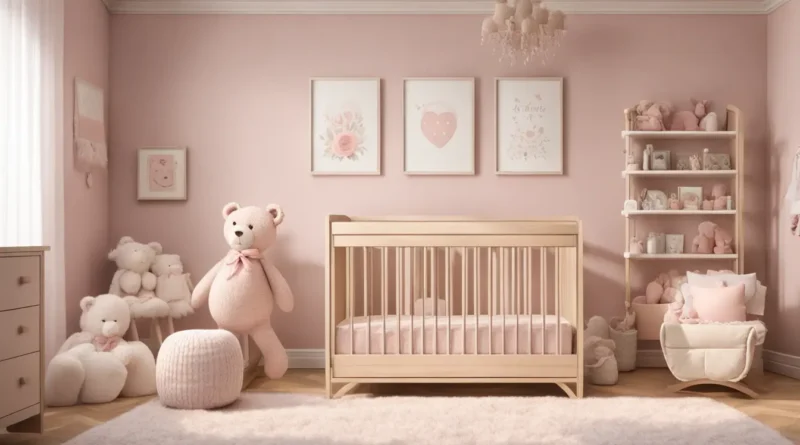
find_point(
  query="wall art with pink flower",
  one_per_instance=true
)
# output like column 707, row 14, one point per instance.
column 162, row 174
column 345, row 126
column 439, row 126
column 529, row 126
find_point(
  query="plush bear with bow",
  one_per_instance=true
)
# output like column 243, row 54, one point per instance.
column 96, row 365
column 242, row 288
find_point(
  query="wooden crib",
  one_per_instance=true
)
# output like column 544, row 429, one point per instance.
column 453, row 300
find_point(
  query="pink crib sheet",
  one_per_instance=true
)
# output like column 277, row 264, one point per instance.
column 517, row 335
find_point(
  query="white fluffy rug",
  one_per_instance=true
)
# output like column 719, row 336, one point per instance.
column 291, row 419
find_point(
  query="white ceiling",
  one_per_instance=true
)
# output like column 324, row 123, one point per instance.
column 434, row 6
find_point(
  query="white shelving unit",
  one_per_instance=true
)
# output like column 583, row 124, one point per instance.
column 733, row 135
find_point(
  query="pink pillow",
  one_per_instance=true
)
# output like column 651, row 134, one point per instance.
column 720, row 304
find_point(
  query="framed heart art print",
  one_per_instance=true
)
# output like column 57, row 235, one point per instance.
column 439, row 126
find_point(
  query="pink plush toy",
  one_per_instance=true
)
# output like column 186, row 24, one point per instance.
column 652, row 116
column 705, row 241
column 722, row 241
column 242, row 287
column 686, row 120
column 719, row 194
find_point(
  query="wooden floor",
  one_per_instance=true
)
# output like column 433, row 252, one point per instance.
column 778, row 407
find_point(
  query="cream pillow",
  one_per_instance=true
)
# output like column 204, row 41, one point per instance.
column 729, row 279
column 721, row 304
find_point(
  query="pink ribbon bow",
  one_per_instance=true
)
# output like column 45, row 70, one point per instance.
column 237, row 260
column 106, row 344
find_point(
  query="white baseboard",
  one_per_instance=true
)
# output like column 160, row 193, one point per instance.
column 650, row 358
column 783, row 364
column 306, row 358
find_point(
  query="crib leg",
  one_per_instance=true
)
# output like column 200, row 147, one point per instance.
column 572, row 394
column 344, row 390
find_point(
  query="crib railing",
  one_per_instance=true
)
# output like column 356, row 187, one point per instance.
column 426, row 298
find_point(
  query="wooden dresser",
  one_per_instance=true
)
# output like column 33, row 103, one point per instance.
column 22, row 338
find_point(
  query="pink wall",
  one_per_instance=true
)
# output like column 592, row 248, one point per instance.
column 784, row 139
column 86, row 219
column 234, row 89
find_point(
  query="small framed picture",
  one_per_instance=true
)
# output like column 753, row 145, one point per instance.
column 162, row 174
column 674, row 243
column 716, row 161
column 683, row 162
column 660, row 160
column 691, row 197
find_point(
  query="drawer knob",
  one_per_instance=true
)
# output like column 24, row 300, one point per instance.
column 24, row 280
column 21, row 381
column 20, row 330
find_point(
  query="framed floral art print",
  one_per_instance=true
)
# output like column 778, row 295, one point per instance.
column 345, row 126
column 162, row 174
column 529, row 125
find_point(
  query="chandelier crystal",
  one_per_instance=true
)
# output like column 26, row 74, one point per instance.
column 523, row 29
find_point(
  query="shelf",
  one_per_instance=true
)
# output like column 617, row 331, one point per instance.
column 677, row 212
column 679, row 134
column 679, row 173
column 680, row 256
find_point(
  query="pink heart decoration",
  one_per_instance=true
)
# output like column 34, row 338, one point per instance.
column 439, row 128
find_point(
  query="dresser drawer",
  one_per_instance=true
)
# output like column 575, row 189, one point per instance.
column 19, row 332
column 19, row 383
column 19, row 282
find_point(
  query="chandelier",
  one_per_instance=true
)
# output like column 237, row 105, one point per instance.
column 523, row 29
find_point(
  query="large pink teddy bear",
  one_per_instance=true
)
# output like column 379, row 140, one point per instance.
column 241, row 288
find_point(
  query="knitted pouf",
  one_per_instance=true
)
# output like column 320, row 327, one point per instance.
column 199, row 369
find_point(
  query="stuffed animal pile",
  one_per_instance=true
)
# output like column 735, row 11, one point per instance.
column 659, row 116
column 712, row 238
column 96, row 365
column 152, row 282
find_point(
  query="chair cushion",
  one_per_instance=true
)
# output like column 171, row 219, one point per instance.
column 721, row 304
column 199, row 369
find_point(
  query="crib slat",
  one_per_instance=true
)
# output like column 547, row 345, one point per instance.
column 447, row 292
column 515, row 296
column 544, row 296
column 492, row 308
column 424, row 291
column 435, row 298
column 398, row 287
column 367, row 273
column 476, row 305
column 558, row 300
column 413, row 292
column 464, row 300
column 384, row 292
column 351, row 297
column 503, row 297
column 529, row 291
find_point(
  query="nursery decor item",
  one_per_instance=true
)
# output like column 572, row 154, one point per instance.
column 173, row 286
column 439, row 126
column 720, row 197
column 694, row 162
column 660, row 160
column 630, row 162
column 674, row 203
column 523, row 29
column 691, row 197
column 600, row 362
column 686, row 120
column 597, row 326
column 529, row 126
column 345, row 126
column 716, row 161
column 636, row 246
column 647, row 157
column 624, row 336
column 134, row 282
column 162, row 174
column 654, row 200
column 242, row 287
column 656, row 243
column 199, row 369
column 674, row 243
column 89, row 128
column 630, row 205
column 96, row 365
column 704, row 242
column 683, row 162
column 650, row 116
column 710, row 122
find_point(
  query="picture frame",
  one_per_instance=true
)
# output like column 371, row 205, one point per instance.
column 439, row 126
column 683, row 162
column 675, row 244
column 660, row 160
column 162, row 174
column 654, row 200
column 716, row 161
column 529, row 125
column 345, row 121
column 691, row 197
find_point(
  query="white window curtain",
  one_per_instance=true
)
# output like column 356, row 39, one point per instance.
column 31, row 142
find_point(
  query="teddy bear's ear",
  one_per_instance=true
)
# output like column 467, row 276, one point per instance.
column 112, row 255
column 276, row 212
column 124, row 240
column 156, row 246
column 87, row 303
column 229, row 208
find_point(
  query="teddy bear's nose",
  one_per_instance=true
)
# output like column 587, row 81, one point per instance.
column 239, row 233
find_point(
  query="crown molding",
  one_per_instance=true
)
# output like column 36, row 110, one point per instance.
column 433, row 6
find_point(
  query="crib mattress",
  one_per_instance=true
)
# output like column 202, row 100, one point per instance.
column 365, row 335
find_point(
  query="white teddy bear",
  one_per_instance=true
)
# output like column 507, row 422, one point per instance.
column 96, row 365
column 133, row 279
column 172, row 285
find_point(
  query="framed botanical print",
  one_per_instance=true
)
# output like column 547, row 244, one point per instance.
column 529, row 126
column 162, row 174
column 439, row 126
column 345, row 126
